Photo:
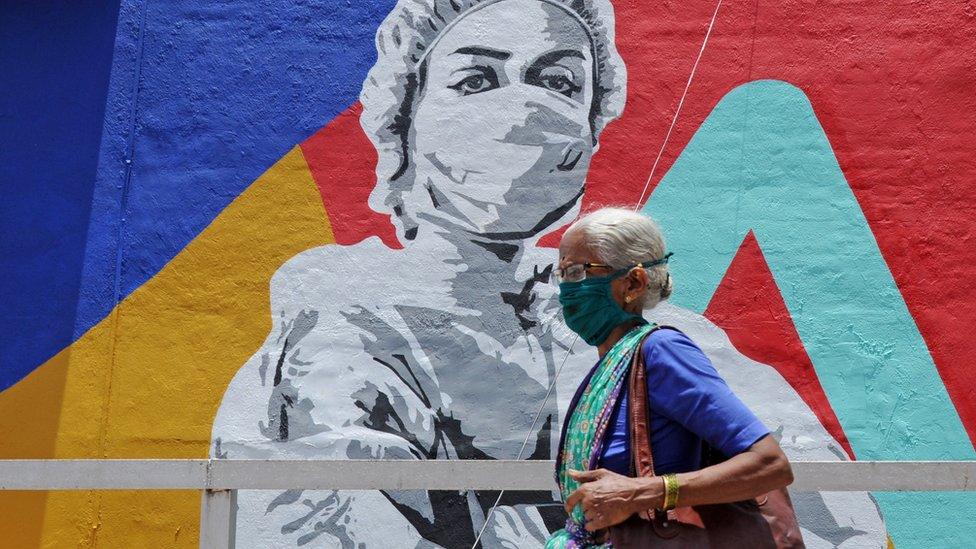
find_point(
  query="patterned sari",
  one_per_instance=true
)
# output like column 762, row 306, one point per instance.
column 584, row 430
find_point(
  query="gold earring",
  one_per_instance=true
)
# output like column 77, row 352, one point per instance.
column 628, row 299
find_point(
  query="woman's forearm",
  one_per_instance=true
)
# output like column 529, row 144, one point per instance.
column 760, row 469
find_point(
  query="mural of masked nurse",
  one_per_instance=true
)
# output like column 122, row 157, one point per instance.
column 485, row 116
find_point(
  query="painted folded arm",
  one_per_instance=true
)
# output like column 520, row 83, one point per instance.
column 302, row 396
column 340, row 377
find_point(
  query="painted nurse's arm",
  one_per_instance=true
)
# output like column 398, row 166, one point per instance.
column 842, row 519
column 308, row 393
column 273, row 412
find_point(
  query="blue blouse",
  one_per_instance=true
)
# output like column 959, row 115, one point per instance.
column 688, row 402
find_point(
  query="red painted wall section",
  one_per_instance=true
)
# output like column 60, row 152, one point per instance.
column 749, row 307
column 342, row 161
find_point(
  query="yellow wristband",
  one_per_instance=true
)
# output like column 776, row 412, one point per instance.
column 671, row 486
column 667, row 490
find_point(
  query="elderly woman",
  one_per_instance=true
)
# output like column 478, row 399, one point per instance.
column 612, row 264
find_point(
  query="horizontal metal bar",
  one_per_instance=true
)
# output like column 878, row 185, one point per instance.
column 105, row 474
column 201, row 474
column 387, row 475
column 883, row 476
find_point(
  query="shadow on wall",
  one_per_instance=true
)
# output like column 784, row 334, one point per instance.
column 55, row 59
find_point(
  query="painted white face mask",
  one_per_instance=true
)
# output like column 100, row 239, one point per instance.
column 505, row 162
column 501, row 138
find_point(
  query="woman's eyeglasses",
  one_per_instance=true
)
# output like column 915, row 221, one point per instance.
column 575, row 272
column 578, row 271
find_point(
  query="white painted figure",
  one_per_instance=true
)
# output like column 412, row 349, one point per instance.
column 485, row 116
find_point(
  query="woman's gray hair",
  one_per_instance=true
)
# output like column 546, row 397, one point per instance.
column 397, row 80
column 622, row 238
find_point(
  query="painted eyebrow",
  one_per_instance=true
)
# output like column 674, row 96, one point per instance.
column 486, row 52
column 559, row 54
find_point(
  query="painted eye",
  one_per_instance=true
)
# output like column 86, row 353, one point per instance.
column 558, row 79
column 482, row 80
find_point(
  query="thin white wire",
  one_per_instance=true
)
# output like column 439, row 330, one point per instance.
column 681, row 103
column 647, row 183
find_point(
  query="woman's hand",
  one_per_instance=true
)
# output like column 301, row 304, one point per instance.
column 608, row 498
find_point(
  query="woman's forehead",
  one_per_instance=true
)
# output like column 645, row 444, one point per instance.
column 518, row 29
column 574, row 249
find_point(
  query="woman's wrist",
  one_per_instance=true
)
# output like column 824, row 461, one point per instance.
column 649, row 493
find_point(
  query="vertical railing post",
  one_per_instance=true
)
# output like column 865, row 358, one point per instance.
column 218, row 521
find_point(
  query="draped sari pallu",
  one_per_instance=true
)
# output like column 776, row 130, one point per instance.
column 582, row 437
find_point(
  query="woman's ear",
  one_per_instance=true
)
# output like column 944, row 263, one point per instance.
column 637, row 281
column 635, row 287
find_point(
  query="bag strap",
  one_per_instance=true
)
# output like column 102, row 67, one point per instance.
column 642, row 453
column 640, row 443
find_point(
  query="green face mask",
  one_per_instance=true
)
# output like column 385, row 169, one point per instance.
column 589, row 308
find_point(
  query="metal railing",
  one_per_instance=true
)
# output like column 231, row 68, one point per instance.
column 220, row 479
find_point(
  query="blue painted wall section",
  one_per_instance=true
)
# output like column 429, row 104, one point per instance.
column 55, row 59
column 219, row 91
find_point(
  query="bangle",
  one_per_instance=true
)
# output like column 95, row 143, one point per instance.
column 670, row 491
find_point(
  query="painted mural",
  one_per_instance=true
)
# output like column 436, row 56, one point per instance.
column 382, row 290
column 485, row 117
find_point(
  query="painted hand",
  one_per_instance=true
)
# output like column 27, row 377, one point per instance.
column 608, row 498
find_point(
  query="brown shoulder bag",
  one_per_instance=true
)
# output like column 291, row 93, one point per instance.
column 765, row 522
